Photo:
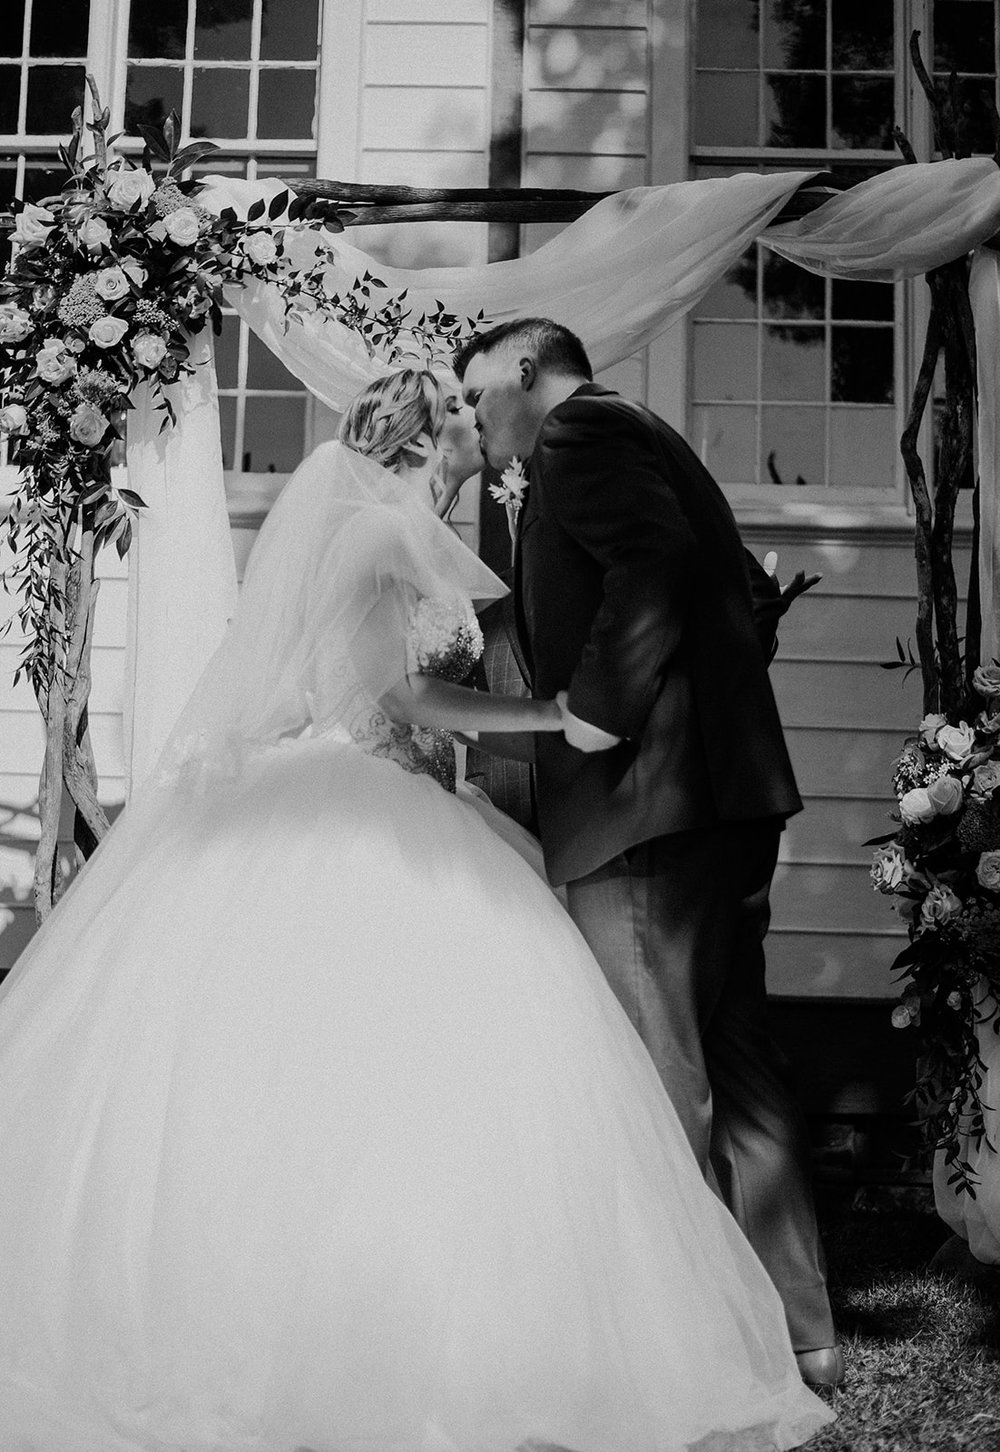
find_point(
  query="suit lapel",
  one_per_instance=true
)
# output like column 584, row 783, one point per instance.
column 517, row 622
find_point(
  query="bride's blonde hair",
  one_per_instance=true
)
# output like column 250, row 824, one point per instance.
column 392, row 413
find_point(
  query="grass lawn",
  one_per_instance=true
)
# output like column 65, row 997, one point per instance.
column 923, row 1350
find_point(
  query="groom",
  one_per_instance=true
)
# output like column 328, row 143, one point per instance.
column 661, row 807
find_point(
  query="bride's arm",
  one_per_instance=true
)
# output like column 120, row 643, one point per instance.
column 430, row 701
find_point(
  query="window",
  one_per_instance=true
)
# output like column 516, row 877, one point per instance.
column 795, row 380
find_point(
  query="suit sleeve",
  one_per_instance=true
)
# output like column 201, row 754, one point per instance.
column 603, row 485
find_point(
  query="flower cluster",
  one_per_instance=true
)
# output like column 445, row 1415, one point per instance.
column 941, row 868
column 444, row 638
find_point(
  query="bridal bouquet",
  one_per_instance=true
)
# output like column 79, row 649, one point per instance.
column 941, row 868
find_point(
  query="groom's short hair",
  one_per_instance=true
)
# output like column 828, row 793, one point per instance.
column 554, row 348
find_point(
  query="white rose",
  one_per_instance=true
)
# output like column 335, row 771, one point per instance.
column 182, row 226
column 958, row 742
column 148, row 350
column 888, row 868
column 95, row 234
column 134, row 271
column 107, row 332
column 53, row 363
column 110, row 283
column 33, row 225
column 260, row 247
column 15, row 323
column 988, row 871
column 129, row 186
column 939, row 906
column 945, row 795
column 88, row 426
column 930, row 726
column 13, row 419
column 986, row 778
column 915, row 806
column 900, row 1016
column 986, row 680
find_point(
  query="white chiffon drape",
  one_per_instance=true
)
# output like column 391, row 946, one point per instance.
column 626, row 270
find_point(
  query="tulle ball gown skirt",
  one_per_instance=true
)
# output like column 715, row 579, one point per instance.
column 320, row 1129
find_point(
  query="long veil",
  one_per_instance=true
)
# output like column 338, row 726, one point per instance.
column 321, row 624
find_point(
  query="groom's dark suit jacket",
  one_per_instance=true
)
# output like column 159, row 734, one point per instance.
column 632, row 591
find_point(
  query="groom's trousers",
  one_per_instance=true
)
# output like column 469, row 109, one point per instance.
column 678, row 926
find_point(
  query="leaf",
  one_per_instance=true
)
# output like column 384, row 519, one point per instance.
column 131, row 498
column 880, row 841
column 154, row 140
column 171, row 132
column 189, row 155
column 278, row 204
column 256, row 211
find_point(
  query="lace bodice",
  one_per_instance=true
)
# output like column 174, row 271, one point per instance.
column 444, row 640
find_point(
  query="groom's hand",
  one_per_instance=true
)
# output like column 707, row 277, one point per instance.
column 582, row 734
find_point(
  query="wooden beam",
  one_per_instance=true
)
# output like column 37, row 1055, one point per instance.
column 506, row 120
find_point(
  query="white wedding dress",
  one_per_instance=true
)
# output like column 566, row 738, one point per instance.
column 320, row 1128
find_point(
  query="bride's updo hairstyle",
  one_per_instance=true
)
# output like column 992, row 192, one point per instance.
column 391, row 413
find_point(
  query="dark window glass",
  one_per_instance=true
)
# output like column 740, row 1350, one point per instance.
column 58, row 28
column 725, row 437
column 796, row 111
column 10, row 94
column 725, row 109
column 8, row 181
column 227, row 430
column 227, row 351
column 974, row 123
column 12, row 27
column 863, row 110
column 724, row 361
column 862, row 365
column 151, row 94
column 41, row 182
column 219, row 103
column 793, row 364
column 963, row 35
column 287, row 104
column 735, row 294
column 862, row 301
column 793, row 446
column 795, row 35
column 157, row 29
column 790, row 291
column 265, row 370
column 54, row 92
column 290, row 29
column 862, row 35
column 274, row 435
column 222, row 31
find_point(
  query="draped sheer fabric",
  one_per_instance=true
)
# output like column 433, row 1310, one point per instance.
column 668, row 245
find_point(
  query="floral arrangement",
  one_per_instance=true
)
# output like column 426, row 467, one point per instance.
column 941, row 867
column 110, row 281
column 510, row 491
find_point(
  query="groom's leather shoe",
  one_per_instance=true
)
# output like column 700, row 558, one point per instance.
column 822, row 1367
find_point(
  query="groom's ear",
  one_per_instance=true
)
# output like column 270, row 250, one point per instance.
column 529, row 373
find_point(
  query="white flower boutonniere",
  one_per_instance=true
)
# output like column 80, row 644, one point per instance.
column 510, row 491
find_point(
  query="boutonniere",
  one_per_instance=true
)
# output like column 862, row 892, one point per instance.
column 510, row 491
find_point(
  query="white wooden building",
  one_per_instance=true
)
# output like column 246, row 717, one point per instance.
column 793, row 390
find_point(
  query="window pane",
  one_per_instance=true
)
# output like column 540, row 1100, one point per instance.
column 735, row 294
column 862, row 300
column 58, row 28
column 54, row 92
column 795, row 110
column 274, row 435
column 863, row 447
column 151, row 93
column 8, row 180
column 223, row 32
column 862, row 365
column 725, row 360
column 863, row 110
column 795, row 35
column 12, row 27
column 264, row 370
column 287, row 105
column 963, row 35
column 219, row 102
column 290, row 30
column 725, row 110
column 794, row 363
column 975, row 129
column 10, row 95
column 792, row 446
column 227, row 430
column 227, row 352
column 725, row 440
column 790, row 291
column 157, row 29
column 862, row 35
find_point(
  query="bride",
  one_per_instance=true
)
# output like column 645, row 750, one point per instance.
column 321, row 1130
